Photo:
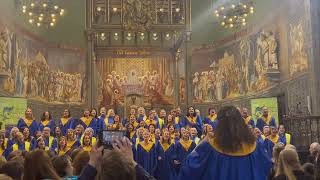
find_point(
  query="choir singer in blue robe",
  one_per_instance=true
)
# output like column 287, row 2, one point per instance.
column 232, row 153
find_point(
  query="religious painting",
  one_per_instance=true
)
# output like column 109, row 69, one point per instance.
column 148, row 80
column 236, row 70
column 35, row 71
column 11, row 110
column 298, row 57
column 259, row 103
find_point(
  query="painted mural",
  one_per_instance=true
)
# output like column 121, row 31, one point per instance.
column 298, row 57
column 149, row 79
column 239, row 69
column 26, row 71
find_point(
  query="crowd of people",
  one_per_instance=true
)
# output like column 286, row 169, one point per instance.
column 170, row 145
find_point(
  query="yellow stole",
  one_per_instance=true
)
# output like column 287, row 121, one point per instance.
column 70, row 144
column 288, row 138
column 132, row 134
column 153, row 138
column 213, row 118
column 135, row 124
column 274, row 139
column 192, row 120
column 86, row 121
column 15, row 147
column 106, row 121
column 45, row 122
column 64, row 121
column 146, row 147
column 267, row 120
column 27, row 121
column 165, row 146
column 186, row 144
column 177, row 120
column 61, row 152
column 148, row 122
column 87, row 148
column 245, row 150
column 161, row 122
column 247, row 119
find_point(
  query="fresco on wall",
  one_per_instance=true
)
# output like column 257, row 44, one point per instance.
column 236, row 70
column 298, row 58
column 148, row 79
column 26, row 72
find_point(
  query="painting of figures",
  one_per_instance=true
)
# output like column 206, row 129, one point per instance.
column 239, row 69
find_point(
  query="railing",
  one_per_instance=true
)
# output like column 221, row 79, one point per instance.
column 303, row 129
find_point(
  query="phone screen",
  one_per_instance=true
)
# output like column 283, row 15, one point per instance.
column 108, row 136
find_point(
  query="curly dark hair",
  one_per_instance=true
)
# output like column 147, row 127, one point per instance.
column 43, row 117
column 232, row 132
column 194, row 114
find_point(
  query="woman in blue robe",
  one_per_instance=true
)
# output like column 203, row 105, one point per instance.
column 192, row 120
column 29, row 122
column 211, row 118
column 47, row 121
column 183, row 148
column 165, row 156
column 66, row 122
column 146, row 153
column 232, row 153
column 88, row 121
column 105, row 121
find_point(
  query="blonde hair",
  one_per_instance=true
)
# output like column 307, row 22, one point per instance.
column 288, row 162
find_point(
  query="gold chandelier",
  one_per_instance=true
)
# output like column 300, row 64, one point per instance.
column 42, row 12
column 234, row 15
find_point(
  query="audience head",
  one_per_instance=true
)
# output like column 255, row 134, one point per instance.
column 112, row 161
column 231, row 132
column 62, row 165
column 288, row 162
column 277, row 148
column 80, row 161
column 314, row 148
column 38, row 165
column 309, row 168
column 13, row 169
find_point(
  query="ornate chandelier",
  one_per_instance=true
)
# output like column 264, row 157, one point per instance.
column 234, row 15
column 42, row 12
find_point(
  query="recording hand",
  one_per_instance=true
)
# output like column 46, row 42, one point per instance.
column 124, row 146
column 96, row 155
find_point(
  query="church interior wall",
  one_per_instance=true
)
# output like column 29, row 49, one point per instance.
column 46, row 75
column 240, row 70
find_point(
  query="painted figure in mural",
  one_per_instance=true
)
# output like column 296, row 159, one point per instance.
column 211, row 87
column 133, row 77
column 169, row 86
column 299, row 58
column 195, row 83
column 219, row 85
column 245, row 54
column 3, row 51
column 182, row 88
column 267, row 46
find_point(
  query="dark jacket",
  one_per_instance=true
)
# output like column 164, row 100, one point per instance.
column 300, row 175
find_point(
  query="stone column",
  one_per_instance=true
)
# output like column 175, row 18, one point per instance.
column 89, row 69
column 314, row 65
column 188, row 54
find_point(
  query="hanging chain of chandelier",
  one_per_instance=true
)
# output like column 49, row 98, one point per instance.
column 234, row 15
column 42, row 12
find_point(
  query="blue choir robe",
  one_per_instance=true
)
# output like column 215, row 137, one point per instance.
column 71, row 145
column 146, row 156
column 132, row 135
column 285, row 139
column 65, row 124
column 195, row 140
column 182, row 150
column 194, row 122
column 161, row 122
column 165, row 167
column 11, row 142
column 142, row 118
column 208, row 161
column 262, row 121
column 89, row 122
column 211, row 120
column 31, row 124
column 47, row 123
column 17, row 147
column 104, row 122
column 51, row 143
column 179, row 121
column 249, row 121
